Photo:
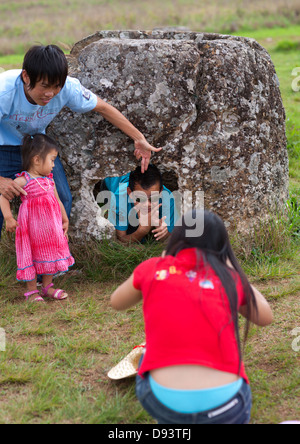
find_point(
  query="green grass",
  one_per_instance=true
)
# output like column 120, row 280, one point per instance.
column 115, row 261
column 58, row 355
column 283, row 45
column 12, row 61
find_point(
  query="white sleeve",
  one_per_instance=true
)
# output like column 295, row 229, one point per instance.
column 80, row 99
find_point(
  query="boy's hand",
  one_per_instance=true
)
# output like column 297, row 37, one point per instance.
column 148, row 219
column 11, row 225
column 161, row 232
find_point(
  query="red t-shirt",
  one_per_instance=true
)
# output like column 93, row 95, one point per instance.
column 187, row 314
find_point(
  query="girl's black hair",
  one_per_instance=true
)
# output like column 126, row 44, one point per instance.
column 215, row 249
column 46, row 63
column 38, row 145
column 147, row 179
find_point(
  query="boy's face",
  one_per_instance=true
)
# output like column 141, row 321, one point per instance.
column 42, row 93
column 144, row 197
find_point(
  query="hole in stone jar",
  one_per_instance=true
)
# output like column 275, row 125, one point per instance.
column 170, row 181
column 97, row 189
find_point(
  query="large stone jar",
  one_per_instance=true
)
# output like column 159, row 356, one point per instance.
column 212, row 102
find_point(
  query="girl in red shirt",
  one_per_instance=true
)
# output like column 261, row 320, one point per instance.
column 192, row 369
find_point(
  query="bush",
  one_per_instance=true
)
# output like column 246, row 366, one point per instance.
column 287, row 45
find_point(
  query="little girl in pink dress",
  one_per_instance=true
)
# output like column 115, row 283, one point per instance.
column 42, row 225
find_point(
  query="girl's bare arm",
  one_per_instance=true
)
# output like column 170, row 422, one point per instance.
column 125, row 295
column 10, row 221
column 263, row 316
column 65, row 219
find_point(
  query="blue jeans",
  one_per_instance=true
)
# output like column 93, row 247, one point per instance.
column 11, row 164
column 235, row 411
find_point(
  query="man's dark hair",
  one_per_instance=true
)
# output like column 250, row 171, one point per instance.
column 147, row 179
column 46, row 63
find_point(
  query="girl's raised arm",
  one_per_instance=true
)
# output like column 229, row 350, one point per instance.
column 125, row 295
column 263, row 315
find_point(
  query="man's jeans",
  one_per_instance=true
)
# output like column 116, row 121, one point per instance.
column 11, row 164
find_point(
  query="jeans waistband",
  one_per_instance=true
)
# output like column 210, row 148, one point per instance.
column 10, row 147
column 195, row 401
column 232, row 411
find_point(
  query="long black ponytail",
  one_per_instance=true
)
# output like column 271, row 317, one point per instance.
column 213, row 245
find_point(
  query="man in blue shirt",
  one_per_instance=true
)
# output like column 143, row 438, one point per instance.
column 30, row 99
column 140, row 204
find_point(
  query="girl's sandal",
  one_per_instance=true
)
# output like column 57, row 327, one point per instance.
column 59, row 294
column 36, row 299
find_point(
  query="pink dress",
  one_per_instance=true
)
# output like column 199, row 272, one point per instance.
column 41, row 245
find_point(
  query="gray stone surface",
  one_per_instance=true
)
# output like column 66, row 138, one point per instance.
column 211, row 101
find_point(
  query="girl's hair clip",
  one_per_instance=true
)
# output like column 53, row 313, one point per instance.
column 31, row 137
